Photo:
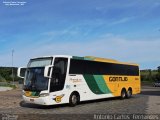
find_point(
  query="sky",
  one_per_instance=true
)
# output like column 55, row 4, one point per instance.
column 125, row 30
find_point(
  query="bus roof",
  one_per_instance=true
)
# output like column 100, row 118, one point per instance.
column 92, row 58
column 67, row 56
column 109, row 60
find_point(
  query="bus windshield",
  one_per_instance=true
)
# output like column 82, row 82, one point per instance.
column 34, row 75
column 40, row 62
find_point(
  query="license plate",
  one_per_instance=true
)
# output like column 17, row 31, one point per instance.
column 32, row 100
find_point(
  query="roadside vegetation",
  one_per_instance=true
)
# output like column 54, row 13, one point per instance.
column 6, row 77
column 6, row 74
column 150, row 76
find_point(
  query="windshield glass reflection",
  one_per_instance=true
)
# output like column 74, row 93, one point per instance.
column 35, row 80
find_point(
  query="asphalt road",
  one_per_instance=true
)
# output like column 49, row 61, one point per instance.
column 148, row 102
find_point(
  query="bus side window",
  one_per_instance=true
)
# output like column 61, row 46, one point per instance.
column 58, row 74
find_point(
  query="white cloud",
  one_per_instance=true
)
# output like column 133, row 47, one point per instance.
column 122, row 20
column 144, row 52
column 56, row 33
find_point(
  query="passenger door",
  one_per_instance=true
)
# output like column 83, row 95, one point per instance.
column 58, row 74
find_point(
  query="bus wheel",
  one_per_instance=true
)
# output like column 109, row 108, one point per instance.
column 129, row 93
column 123, row 94
column 73, row 100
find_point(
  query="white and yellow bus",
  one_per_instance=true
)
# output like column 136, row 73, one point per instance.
column 63, row 79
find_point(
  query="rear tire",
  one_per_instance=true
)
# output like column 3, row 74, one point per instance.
column 73, row 100
column 123, row 94
column 129, row 93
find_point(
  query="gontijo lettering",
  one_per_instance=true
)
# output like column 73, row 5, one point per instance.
column 113, row 79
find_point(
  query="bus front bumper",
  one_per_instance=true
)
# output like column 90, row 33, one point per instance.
column 37, row 100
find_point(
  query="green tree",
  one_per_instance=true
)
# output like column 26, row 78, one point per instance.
column 6, row 73
column 158, row 69
column 158, row 74
column 150, row 75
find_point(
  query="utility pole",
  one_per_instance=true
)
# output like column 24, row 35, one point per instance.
column 12, row 67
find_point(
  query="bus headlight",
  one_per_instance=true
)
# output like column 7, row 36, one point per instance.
column 44, row 94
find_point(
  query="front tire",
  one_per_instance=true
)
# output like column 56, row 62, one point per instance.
column 73, row 100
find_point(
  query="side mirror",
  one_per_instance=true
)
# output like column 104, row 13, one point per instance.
column 21, row 72
column 47, row 71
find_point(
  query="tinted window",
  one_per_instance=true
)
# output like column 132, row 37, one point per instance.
column 101, row 68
